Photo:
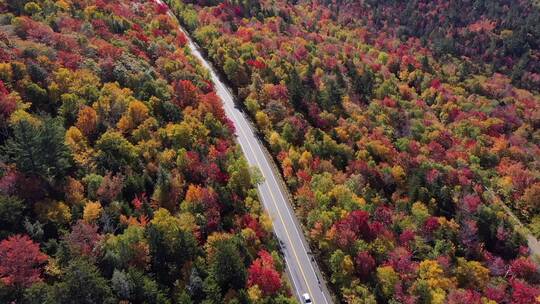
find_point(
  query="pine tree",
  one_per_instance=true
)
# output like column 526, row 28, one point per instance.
column 38, row 150
column 295, row 89
column 228, row 266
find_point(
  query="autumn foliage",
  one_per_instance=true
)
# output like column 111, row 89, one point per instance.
column 21, row 261
column 400, row 127
column 263, row 274
column 118, row 166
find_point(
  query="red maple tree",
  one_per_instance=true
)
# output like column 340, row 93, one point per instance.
column 20, row 261
column 263, row 274
column 185, row 93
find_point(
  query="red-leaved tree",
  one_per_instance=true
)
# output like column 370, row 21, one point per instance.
column 263, row 274
column 21, row 261
column 185, row 93
column 350, row 228
column 523, row 293
column 365, row 264
column 84, row 239
column 7, row 103
column 524, row 268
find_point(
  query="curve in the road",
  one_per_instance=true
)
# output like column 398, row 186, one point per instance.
column 303, row 273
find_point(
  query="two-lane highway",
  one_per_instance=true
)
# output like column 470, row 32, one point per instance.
column 302, row 269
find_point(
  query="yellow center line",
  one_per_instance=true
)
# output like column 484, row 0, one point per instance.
column 280, row 216
column 216, row 81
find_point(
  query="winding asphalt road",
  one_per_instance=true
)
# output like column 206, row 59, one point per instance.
column 303, row 271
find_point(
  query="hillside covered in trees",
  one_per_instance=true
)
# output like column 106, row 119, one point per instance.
column 487, row 36
column 120, row 181
column 400, row 127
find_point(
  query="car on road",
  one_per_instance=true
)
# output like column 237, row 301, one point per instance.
column 306, row 298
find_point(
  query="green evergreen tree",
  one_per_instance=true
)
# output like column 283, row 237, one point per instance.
column 38, row 150
column 228, row 266
column 82, row 283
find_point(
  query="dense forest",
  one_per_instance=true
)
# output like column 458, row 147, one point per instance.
column 403, row 129
column 400, row 127
column 120, row 181
column 489, row 36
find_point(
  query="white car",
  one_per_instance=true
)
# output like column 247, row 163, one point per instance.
column 306, row 298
